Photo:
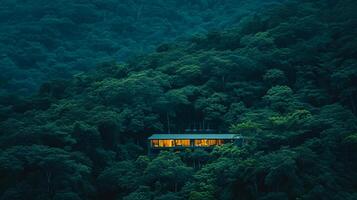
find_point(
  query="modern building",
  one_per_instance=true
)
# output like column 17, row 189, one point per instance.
column 159, row 142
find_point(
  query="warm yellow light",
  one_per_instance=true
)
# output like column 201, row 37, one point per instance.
column 182, row 143
column 155, row 143
column 185, row 143
column 166, row 143
column 207, row 143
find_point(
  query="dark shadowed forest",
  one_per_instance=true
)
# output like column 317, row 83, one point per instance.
column 282, row 74
column 42, row 40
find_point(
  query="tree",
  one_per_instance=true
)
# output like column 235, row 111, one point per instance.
column 282, row 173
column 87, row 137
column 234, row 113
column 49, row 170
column 344, row 79
column 144, row 87
column 292, row 121
column 261, row 40
column 199, row 157
column 246, row 128
column 274, row 77
column 213, row 107
column 188, row 74
column 280, row 98
column 109, row 125
column 285, row 78
column 120, row 178
column 168, row 169
column 174, row 102
column 171, row 196
column 200, row 195
column 142, row 193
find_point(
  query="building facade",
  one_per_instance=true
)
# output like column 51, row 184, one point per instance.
column 159, row 142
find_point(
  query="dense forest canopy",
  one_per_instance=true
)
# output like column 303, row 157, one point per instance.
column 284, row 77
column 42, row 39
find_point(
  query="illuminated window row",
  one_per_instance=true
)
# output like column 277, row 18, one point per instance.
column 186, row 143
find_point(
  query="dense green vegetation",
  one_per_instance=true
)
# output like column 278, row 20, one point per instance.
column 285, row 78
column 42, row 39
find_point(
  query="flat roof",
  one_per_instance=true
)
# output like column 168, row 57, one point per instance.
column 193, row 136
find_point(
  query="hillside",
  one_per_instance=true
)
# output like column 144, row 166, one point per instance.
column 285, row 78
column 42, row 39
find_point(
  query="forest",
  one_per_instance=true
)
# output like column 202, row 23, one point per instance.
column 42, row 40
column 284, row 76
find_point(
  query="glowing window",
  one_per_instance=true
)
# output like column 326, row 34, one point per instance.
column 201, row 143
column 155, row 143
column 182, row 143
column 214, row 142
column 166, row 143
column 207, row 143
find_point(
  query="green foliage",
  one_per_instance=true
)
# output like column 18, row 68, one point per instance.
column 142, row 193
column 168, row 169
column 201, row 195
column 274, row 77
column 292, row 120
column 213, row 107
column 188, row 74
column 246, row 128
column 60, row 39
column 280, row 98
column 234, row 113
column 169, row 195
column 351, row 140
column 284, row 77
column 118, row 177
column 50, row 171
